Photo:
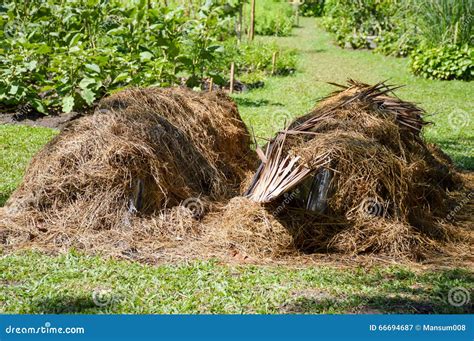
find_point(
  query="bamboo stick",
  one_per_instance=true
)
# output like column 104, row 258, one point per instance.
column 252, row 20
column 232, row 75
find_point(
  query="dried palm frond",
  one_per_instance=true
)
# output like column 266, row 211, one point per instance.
column 278, row 173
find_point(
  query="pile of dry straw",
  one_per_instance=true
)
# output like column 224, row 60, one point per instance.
column 152, row 172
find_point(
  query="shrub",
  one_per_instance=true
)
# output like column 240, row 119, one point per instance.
column 355, row 22
column 273, row 18
column 446, row 62
column 443, row 29
column 312, row 8
column 256, row 58
column 398, row 43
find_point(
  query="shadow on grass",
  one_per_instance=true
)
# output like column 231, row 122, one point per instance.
column 436, row 295
column 405, row 305
column 65, row 305
column 392, row 303
column 3, row 198
column 246, row 102
column 460, row 151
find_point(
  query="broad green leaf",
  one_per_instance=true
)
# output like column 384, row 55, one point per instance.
column 145, row 56
column 31, row 65
column 121, row 77
column 88, row 96
column 68, row 104
column 13, row 90
column 85, row 82
column 93, row 67
column 38, row 105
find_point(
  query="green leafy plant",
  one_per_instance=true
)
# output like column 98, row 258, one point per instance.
column 254, row 60
column 439, row 30
column 446, row 62
column 444, row 21
column 273, row 18
column 354, row 23
column 63, row 56
column 312, row 8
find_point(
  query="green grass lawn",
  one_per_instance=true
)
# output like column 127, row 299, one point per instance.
column 17, row 145
column 36, row 283
column 71, row 283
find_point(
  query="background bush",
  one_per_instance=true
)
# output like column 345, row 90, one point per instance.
column 312, row 8
column 354, row 21
column 445, row 62
column 416, row 28
column 272, row 18
column 253, row 61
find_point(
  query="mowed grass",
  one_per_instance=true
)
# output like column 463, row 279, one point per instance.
column 32, row 282
column 72, row 283
column 449, row 103
column 17, row 145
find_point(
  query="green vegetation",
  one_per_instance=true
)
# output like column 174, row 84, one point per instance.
column 73, row 283
column 445, row 62
column 57, row 56
column 273, row 18
column 69, row 55
column 422, row 29
column 312, row 8
column 256, row 57
column 353, row 22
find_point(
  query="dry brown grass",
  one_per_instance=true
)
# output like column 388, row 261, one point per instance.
column 142, row 152
column 152, row 149
column 390, row 191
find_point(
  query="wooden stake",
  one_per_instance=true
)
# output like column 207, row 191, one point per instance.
column 297, row 15
column 232, row 74
column 240, row 25
column 252, row 20
column 211, row 85
column 274, row 59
